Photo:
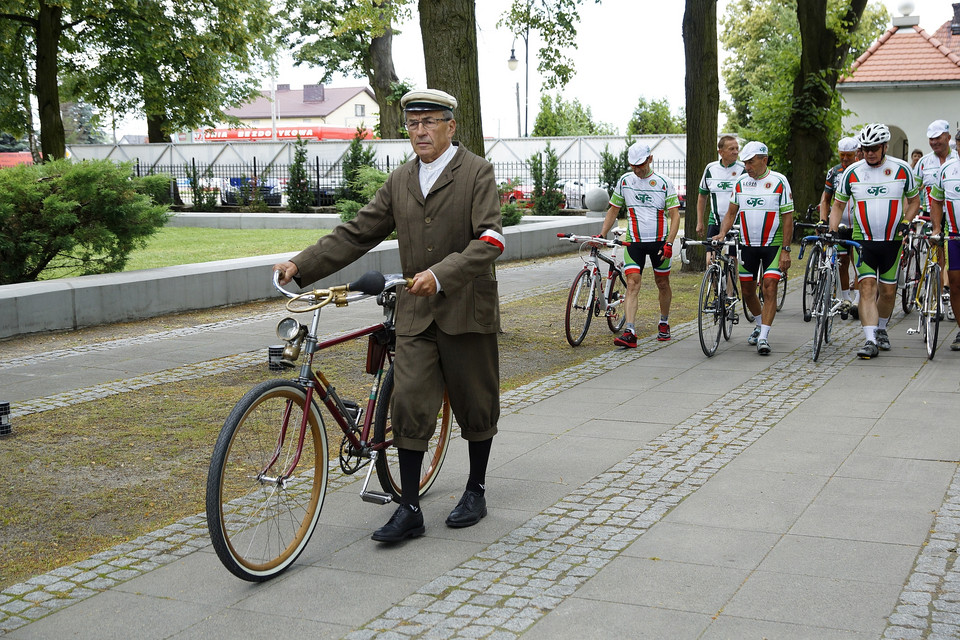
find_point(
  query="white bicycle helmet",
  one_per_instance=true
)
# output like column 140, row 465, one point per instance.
column 873, row 134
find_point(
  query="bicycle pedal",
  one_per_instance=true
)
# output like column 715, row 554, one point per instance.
column 376, row 497
column 911, row 332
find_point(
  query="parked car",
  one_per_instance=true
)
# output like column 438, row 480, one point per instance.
column 575, row 192
column 682, row 195
column 238, row 191
column 521, row 194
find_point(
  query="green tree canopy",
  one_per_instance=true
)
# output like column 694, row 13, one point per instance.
column 654, row 117
column 560, row 118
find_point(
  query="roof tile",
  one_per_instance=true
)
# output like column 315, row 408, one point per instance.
column 290, row 103
column 908, row 54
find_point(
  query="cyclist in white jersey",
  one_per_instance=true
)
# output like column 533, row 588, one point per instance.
column 926, row 171
column 945, row 216
column 877, row 187
column 716, row 187
column 762, row 203
column 653, row 218
column 847, row 149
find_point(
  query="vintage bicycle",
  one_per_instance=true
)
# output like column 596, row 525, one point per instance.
column 927, row 289
column 592, row 294
column 269, row 470
column 719, row 291
column 826, row 301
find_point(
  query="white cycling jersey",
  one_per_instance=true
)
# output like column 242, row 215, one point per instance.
column 647, row 201
column 717, row 182
column 926, row 174
column 761, row 201
column 946, row 189
column 877, row 194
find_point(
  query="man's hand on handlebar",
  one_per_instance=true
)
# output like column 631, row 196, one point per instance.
column 424, row 284
column 287, row 271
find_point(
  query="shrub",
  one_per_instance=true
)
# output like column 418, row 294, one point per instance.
column 299, row 197
column 545, row 173
column 83, row 218
column 358, row 156
column 365, row 185
column 510, row 214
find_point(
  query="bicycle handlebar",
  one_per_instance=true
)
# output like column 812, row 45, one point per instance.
column 593, row 239
column 369, row 284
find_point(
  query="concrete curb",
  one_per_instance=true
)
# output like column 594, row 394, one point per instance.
column 71, row 303
column 284, row 220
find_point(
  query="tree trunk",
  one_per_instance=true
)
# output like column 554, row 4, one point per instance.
column 382, row 76
column 158, row 128
column 49, row 26
column 449, row 29
column 702, row 89
column 821, row 56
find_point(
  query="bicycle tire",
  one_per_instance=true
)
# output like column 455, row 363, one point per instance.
column 580, row 307
column 933, row 303
column 821, row 311
column 911, row 278
column 711, row 312
column 730, row 313
column 832, row 295
column 618, row 296
column 810, row 274
column 781, row 290
column 258, row 528
column 388, row 466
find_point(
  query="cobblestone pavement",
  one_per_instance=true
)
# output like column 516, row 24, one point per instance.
column 511, row 584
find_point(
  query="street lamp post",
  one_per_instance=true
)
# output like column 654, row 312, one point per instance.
column 512, row 64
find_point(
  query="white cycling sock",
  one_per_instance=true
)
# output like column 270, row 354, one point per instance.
column 845, row 293
column 764, row 332
column 883, row 323
column 871, row 333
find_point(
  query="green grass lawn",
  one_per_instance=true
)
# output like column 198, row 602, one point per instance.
column 186, row 245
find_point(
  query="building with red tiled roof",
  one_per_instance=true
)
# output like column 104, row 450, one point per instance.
column 906, row 79
column 314, row 104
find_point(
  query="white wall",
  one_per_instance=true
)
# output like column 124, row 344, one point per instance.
column 910, row 109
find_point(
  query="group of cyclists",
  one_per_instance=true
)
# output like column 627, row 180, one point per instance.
column 869, row 193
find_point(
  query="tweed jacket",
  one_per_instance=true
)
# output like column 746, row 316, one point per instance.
column 455, row 231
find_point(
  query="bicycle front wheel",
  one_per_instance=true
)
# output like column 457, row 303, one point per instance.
column 932, row 309
column 580, row 306
column 711, row 312
column 259, row 520
column 911, row 277
column 781, row 290
column 821, row 311
column 730, row 302
column 810, row 275
column 616, row 316
column 388, row 466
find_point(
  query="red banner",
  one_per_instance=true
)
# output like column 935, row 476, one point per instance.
column 283, row 133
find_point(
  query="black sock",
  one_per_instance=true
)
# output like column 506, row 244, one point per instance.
column 410, row 462
column 479, row 456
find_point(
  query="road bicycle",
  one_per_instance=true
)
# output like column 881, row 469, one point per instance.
column 927, row 290
column 812, row 269
column 719, row 291
column 826, row 301
column 913, row 257
column 592, row 294
column 269, row 470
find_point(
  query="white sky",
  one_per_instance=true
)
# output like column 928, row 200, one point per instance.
column 627, row 49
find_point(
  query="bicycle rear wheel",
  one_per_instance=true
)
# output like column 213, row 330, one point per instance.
column 260, row 522
column 711, row 312
column 781, row 290
column 932, row 309
column 911, row 277
column 616, row 316
column 580, row 305
column 388, row 466
column 821, row 311
column 810, row 274
column 732, row 292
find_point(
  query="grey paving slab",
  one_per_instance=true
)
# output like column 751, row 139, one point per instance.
column 572, row 460
column 587, row 618
column 229, row 624
column 936, row 438
column 620, row 430
column 696, row 544
column 798, row 451
column 727, row 627
column 849, row 605
column 657, row 406
column 855, row 560
column 895, row 469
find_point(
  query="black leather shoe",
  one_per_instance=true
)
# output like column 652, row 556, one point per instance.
column 404, row 523
column 468, row 512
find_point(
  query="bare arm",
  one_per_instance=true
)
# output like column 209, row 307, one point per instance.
column 609, row 220
column 701, row 208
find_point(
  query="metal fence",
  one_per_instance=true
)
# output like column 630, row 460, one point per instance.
column 233, row 184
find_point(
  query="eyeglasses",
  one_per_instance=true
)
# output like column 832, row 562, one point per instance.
column 428, row 123
column 872, row 148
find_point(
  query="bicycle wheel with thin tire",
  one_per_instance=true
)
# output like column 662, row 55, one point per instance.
column 616, row 316
column 711, row 313
column 832, row 295
column 388, row 466
column 911, row 277
column 781, row 290
column 259, row 520
column 730, row 313
column 810, row 274
column 932, row 309
column 580, row 306
column 821, row 311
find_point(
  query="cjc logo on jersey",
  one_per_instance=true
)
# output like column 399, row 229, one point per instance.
column 877, row 191
column 754, row 202
column 643, row 197
column 724, row 185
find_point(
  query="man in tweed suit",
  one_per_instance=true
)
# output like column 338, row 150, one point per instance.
column 445, row 208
